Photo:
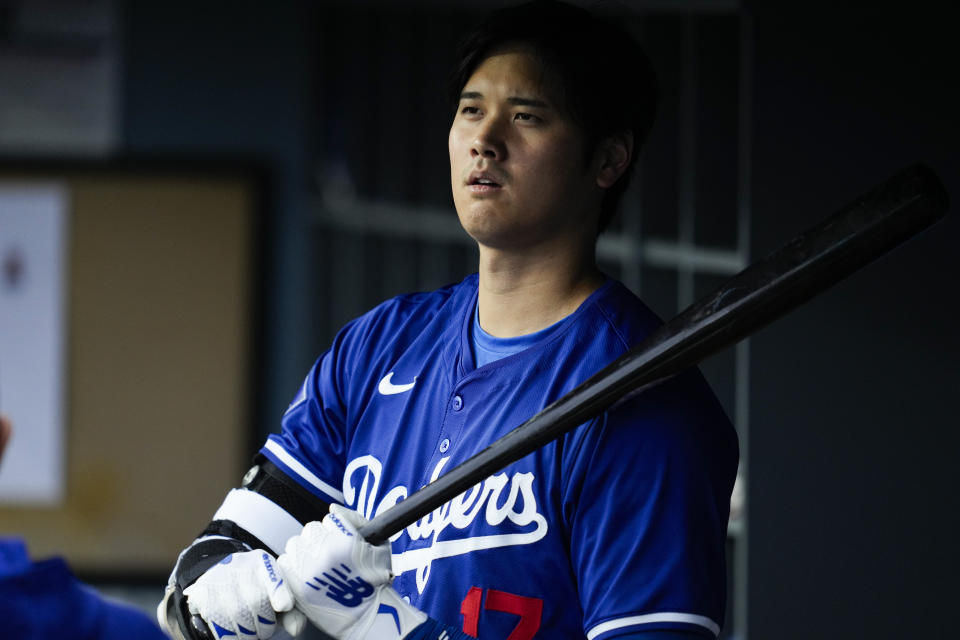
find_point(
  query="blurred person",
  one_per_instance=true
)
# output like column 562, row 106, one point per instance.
column 42, row 599
column 616, row 529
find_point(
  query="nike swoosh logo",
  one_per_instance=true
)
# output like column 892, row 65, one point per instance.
column 387, row 388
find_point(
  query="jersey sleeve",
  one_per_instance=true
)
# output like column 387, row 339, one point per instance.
column 647, row 507
column 311, row 446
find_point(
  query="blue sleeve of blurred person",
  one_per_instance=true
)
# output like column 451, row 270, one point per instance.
column 44, row 599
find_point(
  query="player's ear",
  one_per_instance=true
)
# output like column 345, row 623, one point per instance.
column 613, row 157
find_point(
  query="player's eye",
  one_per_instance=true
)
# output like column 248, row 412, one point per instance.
column 469, row 110
column 525, row 117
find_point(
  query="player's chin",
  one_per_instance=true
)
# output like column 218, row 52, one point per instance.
column 479, row 220
column 502, row 238
column 486, row 226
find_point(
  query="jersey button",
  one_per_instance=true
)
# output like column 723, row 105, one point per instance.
column 457, row 403
column 444, row 445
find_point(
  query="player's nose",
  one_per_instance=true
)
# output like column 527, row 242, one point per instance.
column 489, row 141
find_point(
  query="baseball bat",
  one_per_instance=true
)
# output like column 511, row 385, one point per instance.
column 876, row 222
column 865, row 229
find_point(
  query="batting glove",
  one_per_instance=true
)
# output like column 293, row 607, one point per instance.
column 241, row 596
column 342, row 583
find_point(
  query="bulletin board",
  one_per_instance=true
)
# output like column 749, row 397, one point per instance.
column 159, row 355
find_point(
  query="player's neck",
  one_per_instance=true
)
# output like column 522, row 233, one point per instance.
column 521, row 293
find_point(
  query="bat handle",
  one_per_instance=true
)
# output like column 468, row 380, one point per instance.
column 198, row 629
column 188, row 626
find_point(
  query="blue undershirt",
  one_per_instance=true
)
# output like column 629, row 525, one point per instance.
column 488, row 348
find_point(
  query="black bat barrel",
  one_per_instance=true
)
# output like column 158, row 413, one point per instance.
column 862, row 231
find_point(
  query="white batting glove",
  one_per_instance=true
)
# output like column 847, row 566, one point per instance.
column 241, row 596
column 343, row 582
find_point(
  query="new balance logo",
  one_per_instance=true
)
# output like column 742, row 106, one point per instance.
column 349, row 592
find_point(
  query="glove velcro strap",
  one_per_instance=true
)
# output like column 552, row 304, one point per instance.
column 230, row 529
column 203, row 555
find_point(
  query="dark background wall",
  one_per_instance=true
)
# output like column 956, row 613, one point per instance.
column 853, row 439
column 852, row 484
column 237, row 80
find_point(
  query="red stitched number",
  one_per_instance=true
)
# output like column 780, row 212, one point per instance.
column 470, row 608
column 530, row 611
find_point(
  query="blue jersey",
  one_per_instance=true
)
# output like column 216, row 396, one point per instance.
column 616, row 527
column 40, row 600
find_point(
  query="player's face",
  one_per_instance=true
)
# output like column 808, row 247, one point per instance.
column 517, row 163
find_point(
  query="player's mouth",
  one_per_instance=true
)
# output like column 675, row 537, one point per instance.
column 483, row 182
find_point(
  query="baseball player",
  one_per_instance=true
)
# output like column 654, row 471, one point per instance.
column 617, row 529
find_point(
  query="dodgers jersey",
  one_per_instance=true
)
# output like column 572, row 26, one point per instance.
column 616, row 527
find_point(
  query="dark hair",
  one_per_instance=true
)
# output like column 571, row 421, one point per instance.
column 606, row 79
